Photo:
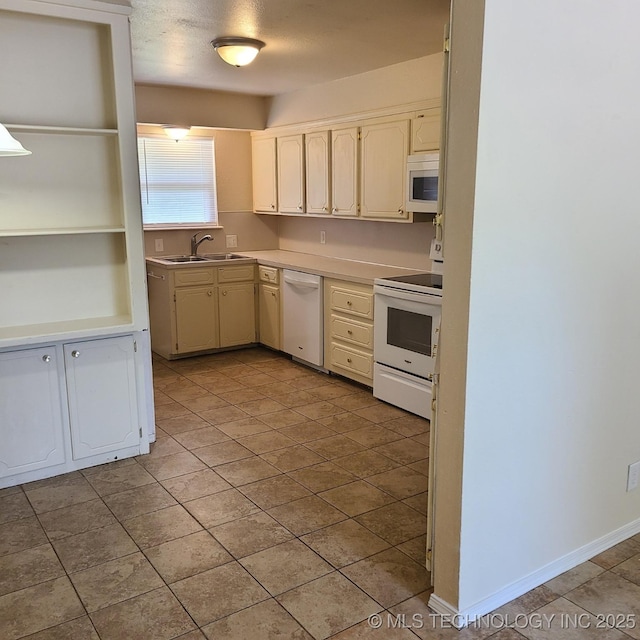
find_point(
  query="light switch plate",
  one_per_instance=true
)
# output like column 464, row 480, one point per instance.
column 159, row 244
column 232, row 241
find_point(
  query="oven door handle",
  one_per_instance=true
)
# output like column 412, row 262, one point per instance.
column 406, row 295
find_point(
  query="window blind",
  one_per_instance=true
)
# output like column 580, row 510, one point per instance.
column 177, row 182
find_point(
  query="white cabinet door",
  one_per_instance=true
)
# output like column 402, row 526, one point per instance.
column 31, row 428
column 101, row 388
column 263, row 156
column 384, row 149
column 317, row 172
column 344, row 172
column 291, row 174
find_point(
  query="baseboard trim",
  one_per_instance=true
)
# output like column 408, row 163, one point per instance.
column 463, row 617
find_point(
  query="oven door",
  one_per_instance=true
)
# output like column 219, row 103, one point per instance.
column 406, row 330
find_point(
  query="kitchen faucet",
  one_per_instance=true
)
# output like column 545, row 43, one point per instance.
column 196, row 243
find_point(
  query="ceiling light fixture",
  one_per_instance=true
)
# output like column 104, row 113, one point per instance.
column 9, row 146
column 237, row 52
column 176, row 133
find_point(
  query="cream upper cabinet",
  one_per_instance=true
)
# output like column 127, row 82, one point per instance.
column 425, row 131
column 290, row 163
column 384, row 150
column 318, row 177
column 265, row 196
column 344, row 172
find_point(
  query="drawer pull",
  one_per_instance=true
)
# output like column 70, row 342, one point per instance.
column 350, row 332
column 349, row 360
column 75, row 354
column 224, row 293
column 349, row 303
column 209, row 293
column 46, row 358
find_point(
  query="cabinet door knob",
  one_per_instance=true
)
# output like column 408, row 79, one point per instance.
column 224, row 293
column 273, row 293
column 400, row 211
column 299, row 207
column 334, row 210
column 350, row 332
column 46, row 358
column 273, row 206
column 349, row 360
column 324, row 208
column 75, row 354
column 349, row 303
column 209, row 293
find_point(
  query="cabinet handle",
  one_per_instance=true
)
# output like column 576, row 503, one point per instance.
column 400, row 211
column 350, row 332
column 224, row 293
column 349, row 360
column 273, row 293
column 273, row 206
column 299, row 207
column 334, row 210
column 209, row 293
column 349, row 303
column 153, row 275
column 46, row 358
column 324, row 208
column 75, row 354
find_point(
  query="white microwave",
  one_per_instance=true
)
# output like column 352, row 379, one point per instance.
column 422, row 182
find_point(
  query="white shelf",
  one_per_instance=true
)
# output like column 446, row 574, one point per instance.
column 38, row 128
column 71, row 231
column 64, row 330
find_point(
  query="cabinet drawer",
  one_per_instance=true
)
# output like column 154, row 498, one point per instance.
column 356, row 303
column 352, row 360
column 348, row 330
column 268, row 274
column 192, row 276
column 236, row 274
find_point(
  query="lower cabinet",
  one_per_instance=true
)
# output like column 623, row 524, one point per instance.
column 348, row 326
column 270, row 328
column 198, row 309
column 237, row 313
column 64, row 407
column 31, row 426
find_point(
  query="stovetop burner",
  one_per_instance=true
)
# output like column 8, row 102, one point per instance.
column 431, row 280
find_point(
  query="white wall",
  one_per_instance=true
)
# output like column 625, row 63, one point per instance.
column 402, row 83
column 551, row 417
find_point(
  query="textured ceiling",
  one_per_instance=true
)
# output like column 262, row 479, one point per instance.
column 307, row 41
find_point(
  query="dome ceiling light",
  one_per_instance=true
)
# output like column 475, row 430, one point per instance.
column 237, row 52
column 176, row 133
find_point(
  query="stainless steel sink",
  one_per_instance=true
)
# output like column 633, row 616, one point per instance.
column 184, row 258
column 222, row 256
column 207, row 258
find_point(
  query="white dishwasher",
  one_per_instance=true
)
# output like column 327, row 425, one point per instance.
column 302, row 327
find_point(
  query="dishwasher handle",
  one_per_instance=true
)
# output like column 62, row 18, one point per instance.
column 298, row 279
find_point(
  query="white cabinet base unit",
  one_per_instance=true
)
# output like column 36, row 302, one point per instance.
column 74, row 391
column 68, row 406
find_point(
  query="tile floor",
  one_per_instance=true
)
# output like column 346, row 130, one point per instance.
column 277, row 503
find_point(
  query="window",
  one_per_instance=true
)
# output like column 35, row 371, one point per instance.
column 178, row 182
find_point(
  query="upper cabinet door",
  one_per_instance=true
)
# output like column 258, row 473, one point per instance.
column 344, row 172
column 318, row 178
column 101, row 388
column 291, row 174
column 384, row 151
column 425, row 131
column 265, row 197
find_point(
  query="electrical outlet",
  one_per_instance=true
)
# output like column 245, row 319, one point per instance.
column 232, row 241
column 323, row 237
column 159, row 244
column 633, row 476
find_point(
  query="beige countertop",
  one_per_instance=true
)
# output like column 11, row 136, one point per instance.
column 352, row 270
